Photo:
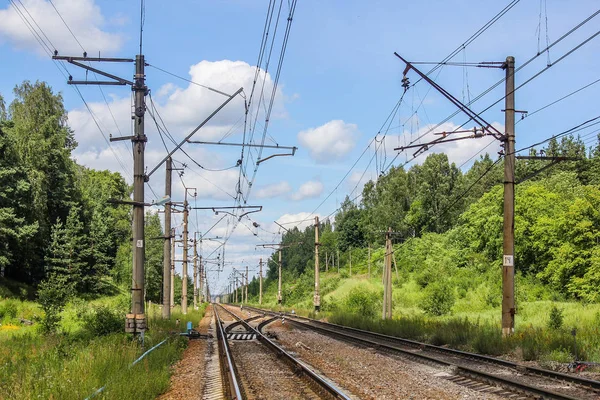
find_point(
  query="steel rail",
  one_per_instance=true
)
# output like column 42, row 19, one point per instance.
column 238, row 323
column 228, row 367
column 334, row 330
column 326, row 387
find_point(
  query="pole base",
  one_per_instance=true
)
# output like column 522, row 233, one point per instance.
column 317, row 308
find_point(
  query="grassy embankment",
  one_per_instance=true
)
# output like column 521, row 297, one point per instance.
column 471, row 323
column 88, row 352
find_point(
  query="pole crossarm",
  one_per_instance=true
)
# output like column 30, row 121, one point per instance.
column 117, row 80
column 217, row 210
column 470, row 113
column 263, row 146
column 100, row 59
column 277, row 246
column 281, row 226
column 147, row 176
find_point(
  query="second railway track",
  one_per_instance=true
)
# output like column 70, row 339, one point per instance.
column 524, row 381
column 254, row 367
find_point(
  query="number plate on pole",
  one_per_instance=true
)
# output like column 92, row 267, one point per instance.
column 508, row 261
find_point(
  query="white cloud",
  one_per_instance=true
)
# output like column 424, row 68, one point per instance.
column 331, row 141
column 308, row 190
column 182, row 109
column 186, row 107
column 83, row 17
column 273, row 190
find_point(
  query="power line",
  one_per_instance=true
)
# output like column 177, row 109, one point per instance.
column 529, row 114
column 482, row 94
column 570, row 130
column 189, row 80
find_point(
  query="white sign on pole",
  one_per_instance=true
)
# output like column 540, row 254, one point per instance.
column 140, row 243
column 508, row 261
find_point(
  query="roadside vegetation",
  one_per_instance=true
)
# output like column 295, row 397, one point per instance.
column 65, row 267
column 87, row 350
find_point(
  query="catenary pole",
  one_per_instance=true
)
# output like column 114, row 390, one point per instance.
column 317, row 296
column 508, row 263
column 172, row 267
column 138, row 142
column 195, row 272
column 246, row 290
column 166, row 309
column 279, row 282
column 184, row 273
column 260, row 282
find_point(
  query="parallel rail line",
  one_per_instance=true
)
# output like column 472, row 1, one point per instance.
column 231, row 382
column 322, row 386
column 390, row 343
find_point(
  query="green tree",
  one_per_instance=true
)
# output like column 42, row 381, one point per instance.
column 69, row 254
column 154, row 258
column 43, row 143
column 15, row 198
column 436, row 207
column 348, row 226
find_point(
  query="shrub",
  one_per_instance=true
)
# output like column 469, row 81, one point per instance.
column 363, row 301
column 53, row 294
column 488, row 339
column 8, row 310
column 439, row 299
column 556, row 318
column 103, row 321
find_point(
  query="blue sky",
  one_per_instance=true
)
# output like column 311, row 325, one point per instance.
column 338, row 84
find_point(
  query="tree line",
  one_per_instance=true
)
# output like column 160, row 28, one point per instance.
column 55, row 218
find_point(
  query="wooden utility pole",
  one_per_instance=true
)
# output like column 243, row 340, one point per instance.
column 317, row 296
column 387, row 277
column 172, row 267
column 260, row 282
column 326, row 262
column 338, row 260
column 508, row 262
column 195, row 272
column 184, row 274
column 166, row 309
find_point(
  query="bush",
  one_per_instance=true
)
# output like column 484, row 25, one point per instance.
column 363, row 301
column 439, row 299
column 9, row 309
column 556, row 318
column 103, row 321
column 53, row 294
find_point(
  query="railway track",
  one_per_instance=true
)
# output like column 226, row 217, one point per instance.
column 528, row 382
column 249, row 371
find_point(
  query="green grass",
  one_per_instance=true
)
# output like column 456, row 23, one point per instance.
column 74, row 363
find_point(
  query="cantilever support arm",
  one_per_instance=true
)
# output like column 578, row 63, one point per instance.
column 470, row 113
column 147, row 177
